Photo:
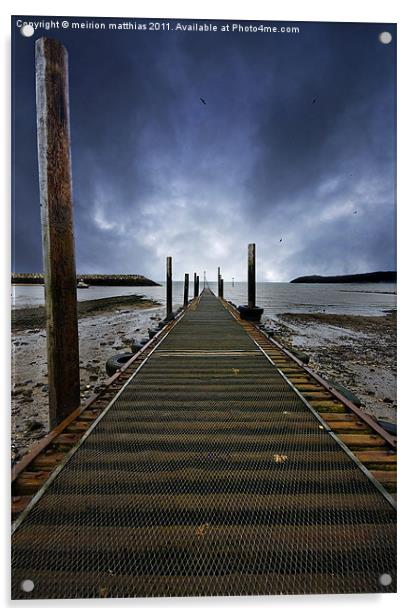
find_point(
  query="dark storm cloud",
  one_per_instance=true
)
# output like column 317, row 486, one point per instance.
column 296, row 135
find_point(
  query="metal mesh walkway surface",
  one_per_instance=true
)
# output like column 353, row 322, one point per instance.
column 207, row 475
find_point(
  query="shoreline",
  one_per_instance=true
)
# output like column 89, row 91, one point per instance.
column 357, row 352
column 34, row 317
column 105, row 329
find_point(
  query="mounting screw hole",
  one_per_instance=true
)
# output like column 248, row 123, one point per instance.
column 27, row 30
column 27, row 585
column 385, row 579
column 385, row 38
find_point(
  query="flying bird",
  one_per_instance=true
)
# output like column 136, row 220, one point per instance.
column 203, row 101
column 356, row 212
column 280, row 239
column 314, row 101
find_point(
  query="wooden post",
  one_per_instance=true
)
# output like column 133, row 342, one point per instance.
column 251, row 275
column 198, row 285
column 221, row 287
column 186, row 283
column 195, row 285
column 218, row 282
column 55, row 183
column 169, row 286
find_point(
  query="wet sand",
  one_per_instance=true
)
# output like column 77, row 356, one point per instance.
column 358, row 352
column 106, row 327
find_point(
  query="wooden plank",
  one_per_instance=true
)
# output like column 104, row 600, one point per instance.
column 239, row 502
column 362, row 441
column 385, row 457
column 30, row 481
column 281, row 475
column 349, row 426
column 19, row 503
column 385, row 477
column 47, row 462
column 189, row 536
column 55, row 181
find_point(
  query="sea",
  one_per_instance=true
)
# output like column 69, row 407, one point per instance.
column 369, row 299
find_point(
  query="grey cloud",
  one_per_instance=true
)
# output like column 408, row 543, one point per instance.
column 156, row 172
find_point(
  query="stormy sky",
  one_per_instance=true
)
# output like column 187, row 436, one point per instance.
column 297, row 135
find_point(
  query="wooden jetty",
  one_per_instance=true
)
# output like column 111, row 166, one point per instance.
column 212, row 463
column 219, row 467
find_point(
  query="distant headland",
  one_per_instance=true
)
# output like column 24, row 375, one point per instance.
column 369, row 277
column 107, row 280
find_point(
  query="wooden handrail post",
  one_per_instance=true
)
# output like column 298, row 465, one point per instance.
column 169, row 287
column 186, row 284
column 55, row 183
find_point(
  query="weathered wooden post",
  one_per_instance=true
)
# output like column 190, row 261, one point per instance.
column 221, row 287
column 195, row 285
column 55, row 183
column 198, row 285
column 218, row 281
column 186, row 284
column 251, row 276
column 251, row 312
column 169, row 287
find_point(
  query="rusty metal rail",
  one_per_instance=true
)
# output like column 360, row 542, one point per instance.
column 209, row 473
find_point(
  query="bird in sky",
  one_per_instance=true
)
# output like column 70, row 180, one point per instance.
column 203, row 101
column 314, row 101
column 280, row 239
column 356, row 212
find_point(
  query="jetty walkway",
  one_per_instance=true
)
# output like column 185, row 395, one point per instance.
column 209, row 473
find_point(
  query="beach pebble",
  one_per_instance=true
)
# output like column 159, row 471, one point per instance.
column 34, row 424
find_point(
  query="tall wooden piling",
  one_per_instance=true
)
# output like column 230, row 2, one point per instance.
column 251, row 275
column 195, row 285
column 218, row 281
column 198, row 285
column 251, row 312
column 55, row 183
column 186, row 285
column 169, row 287
column 221, row 294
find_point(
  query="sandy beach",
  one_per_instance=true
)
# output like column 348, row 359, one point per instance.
column 358, row 352
column 106, row 327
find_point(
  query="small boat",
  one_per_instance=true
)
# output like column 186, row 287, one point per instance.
column 82, row 285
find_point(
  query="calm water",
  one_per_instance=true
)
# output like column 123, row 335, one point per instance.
column 274, row 297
